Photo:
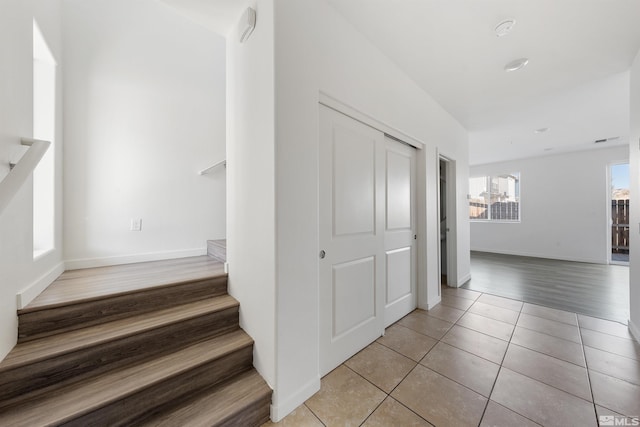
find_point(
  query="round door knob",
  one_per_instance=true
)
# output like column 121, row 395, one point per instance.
column 322, row 254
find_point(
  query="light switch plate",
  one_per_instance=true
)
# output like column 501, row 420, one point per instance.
column 136, row 224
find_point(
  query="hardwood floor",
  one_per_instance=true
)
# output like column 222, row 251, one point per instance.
column 596, row 290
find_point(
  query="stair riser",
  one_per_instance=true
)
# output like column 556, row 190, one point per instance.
column 132, row 409
column 217, row 251
column 41, row 323
column 26, row 382
column 242, row 401
column 255, row 414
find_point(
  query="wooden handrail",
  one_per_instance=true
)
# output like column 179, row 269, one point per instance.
column 212, row 167
column 16, row 178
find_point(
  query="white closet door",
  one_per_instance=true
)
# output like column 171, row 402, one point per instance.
column 351, row 235
column 400, row 230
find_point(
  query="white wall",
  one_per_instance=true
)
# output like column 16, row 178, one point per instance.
column 316, row 50
column 564, row 207
column 634, row 241
column 18, row 270
column 144, row 112
column 251, row 181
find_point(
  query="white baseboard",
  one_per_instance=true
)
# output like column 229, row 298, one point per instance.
column 433, row 303
column 464, row 280
column 26, row 295
column 544, row 256
column 635, row 331
column 279, row 409
column 76, row 264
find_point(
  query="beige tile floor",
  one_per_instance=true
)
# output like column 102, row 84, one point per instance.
column 482, row 360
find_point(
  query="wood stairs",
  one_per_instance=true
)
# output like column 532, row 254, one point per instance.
column 217, row 249
column 170, row 355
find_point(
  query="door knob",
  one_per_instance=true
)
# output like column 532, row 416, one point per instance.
column 322, row 254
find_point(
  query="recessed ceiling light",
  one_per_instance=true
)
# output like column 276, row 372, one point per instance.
column 505, row 27
column 541, row 130
column 516, row 64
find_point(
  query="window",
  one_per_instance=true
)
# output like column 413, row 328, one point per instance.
column 44, row 113
column 495, row 198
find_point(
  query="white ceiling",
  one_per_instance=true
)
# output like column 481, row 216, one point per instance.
column 574, row 46
column 576, row 82
column 217, row 15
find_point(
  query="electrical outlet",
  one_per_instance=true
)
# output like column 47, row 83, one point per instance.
column 136, row 224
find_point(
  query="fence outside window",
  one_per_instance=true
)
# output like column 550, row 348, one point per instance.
column 620, row 226
column 495, row 198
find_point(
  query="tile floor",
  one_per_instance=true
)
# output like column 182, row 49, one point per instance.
column 481, row 360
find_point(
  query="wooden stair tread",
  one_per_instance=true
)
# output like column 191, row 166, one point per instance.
column 216, row 405
column 89, row 395
column 67, row 342
column 87, row 284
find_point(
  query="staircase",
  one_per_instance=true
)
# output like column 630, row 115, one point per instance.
column 217, row 249
column 150, row 344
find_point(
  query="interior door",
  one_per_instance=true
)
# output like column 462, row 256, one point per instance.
column 351, row 236
column 400, row 230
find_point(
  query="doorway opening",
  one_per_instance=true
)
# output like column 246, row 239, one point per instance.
column 619, row 213
column 447, row 221
column 443, row 223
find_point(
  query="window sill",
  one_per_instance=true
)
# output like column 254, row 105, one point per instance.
column 495, row 221
column 40, row 253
